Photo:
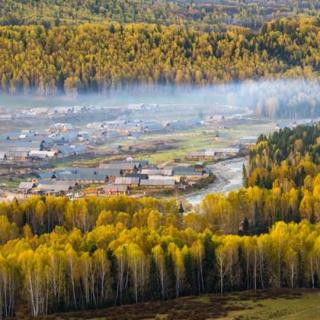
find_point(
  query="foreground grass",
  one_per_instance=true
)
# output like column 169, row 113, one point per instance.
column 275, row 304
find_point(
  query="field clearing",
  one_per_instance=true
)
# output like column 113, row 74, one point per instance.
column 276, row 304
column 181, row 142
column 202, row 138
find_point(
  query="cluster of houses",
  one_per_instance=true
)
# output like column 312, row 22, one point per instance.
column 33, row 145
column 118, row 177
column 66, row 136
column 134, row 129
column 54, row 113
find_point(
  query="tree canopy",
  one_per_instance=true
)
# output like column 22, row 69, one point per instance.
column 209, row 14
column 97, row 57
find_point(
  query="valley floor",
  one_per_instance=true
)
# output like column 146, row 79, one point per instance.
column 272, row 304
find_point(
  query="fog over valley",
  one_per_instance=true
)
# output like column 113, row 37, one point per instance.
column 272, row 99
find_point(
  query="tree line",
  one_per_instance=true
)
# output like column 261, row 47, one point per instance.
column 99, row 57
column 113, row 264
column 248, row 211
column 281, row 183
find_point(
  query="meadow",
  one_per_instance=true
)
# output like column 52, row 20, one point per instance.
column 262, row 305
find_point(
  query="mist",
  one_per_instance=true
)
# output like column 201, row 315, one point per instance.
column 292, row 99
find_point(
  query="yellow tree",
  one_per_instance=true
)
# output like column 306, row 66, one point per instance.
column 177, row 256
column 136, row 265
column 159, row 258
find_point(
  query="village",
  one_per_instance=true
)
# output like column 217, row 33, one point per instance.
column 76, row 131
column 133, row 149
column 129, row 177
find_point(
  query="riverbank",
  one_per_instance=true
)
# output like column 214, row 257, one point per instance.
column 228, row 175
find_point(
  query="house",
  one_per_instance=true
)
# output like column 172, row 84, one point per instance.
column 188, row 173
column 158, row 177
column 55, row 187
column 61, row 127
column 184, row 171
column 18, row 155
column 224, row 153
column 6, row 117
column 83, row 175
column 124, row 166
column 213, row 154
column 200, row 155
column 83, row 136
column 64, row 137
column 69, row 150
column 112, row 189
column 167, row 172
column 46, row 175
column 152, row 171
column 70, row 183
column 41, row 155
column 133, row 182
column 18, row 135
column 140, row 164
column 158, row 183
column 89, row 175
column 137, row 175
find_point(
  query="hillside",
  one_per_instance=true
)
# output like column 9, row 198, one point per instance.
column 210, row 13
column 97, row 57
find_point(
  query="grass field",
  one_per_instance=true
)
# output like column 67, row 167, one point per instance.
column 201, row 138
column 276, row 304
column 181, row 142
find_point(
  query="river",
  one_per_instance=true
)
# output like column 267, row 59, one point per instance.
column 228, row 178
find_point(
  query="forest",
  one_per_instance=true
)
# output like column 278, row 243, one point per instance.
column 62, row 255
column 99, row 57
column 210, row 14
column 129, row 257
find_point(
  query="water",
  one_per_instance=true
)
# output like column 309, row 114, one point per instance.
column 228, row 178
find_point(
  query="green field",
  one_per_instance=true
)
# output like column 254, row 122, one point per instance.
column 276, row 304
column 181, row 142
column 196, row 139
